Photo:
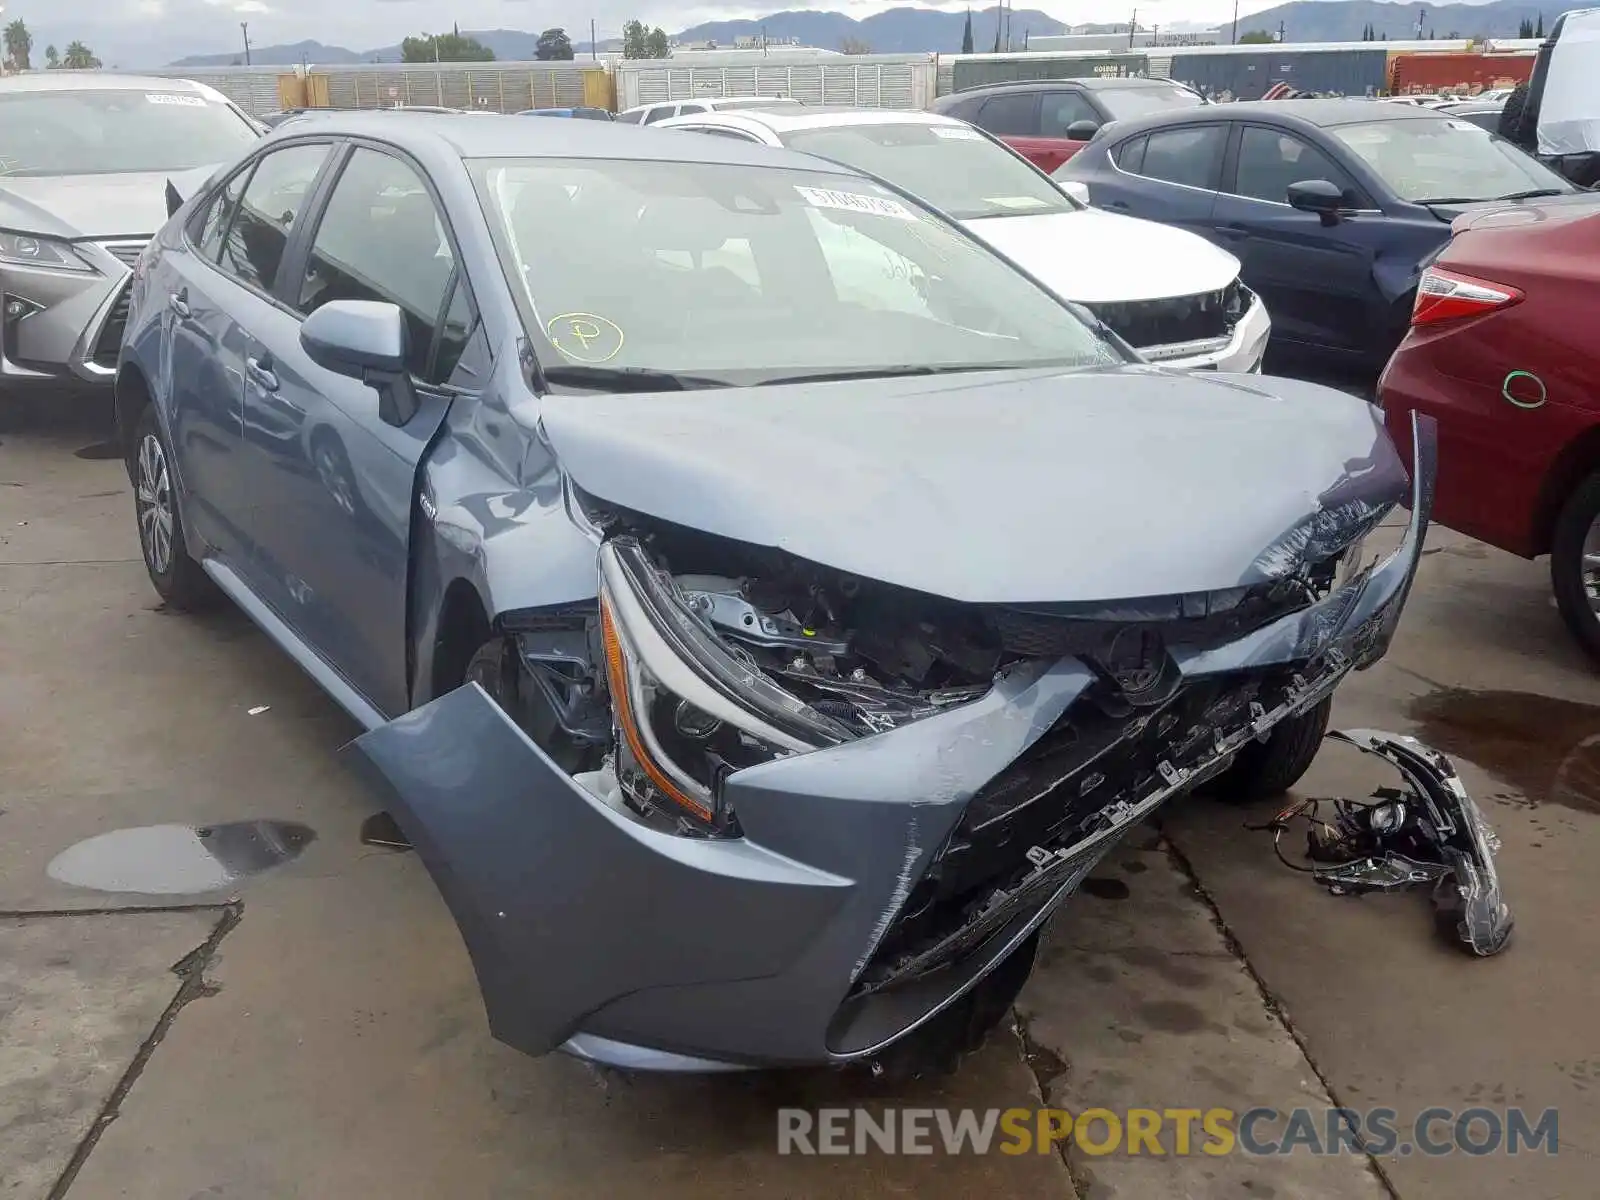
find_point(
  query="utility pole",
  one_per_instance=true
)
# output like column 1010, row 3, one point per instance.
column 1133, row 26
column 1235, row 22
column 593, row 52
column 244, row 27
column 1281, row 34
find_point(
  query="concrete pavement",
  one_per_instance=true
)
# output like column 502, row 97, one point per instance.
column 330, row 1042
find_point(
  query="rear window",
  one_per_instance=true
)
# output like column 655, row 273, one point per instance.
column 104, row 132
column 1124, row 104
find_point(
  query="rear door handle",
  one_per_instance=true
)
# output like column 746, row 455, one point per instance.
column 1233, row 230
column 1119, row 205
column 178, row 302
column 261, row 374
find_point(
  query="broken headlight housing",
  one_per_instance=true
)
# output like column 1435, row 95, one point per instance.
column 688, row 711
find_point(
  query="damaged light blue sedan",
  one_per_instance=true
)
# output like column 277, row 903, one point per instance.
column 763, row 603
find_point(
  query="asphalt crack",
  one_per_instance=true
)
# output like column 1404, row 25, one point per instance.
column 1274, row 1007
column 191, row 970
column 1047, row 1066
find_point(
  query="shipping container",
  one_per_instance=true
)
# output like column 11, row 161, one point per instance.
column 1469, row 73
column 976, row 70
column 1244, row 73
column 898, row 81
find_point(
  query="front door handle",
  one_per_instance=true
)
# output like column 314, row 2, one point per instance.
column 178, row 302
column 1119, row 205
column 1233, row 230
column 261, row 374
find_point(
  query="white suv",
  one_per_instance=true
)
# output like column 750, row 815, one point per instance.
column 650, row 114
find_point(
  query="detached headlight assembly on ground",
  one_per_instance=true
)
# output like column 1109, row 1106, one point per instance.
column 688, row 711
column 24, row 250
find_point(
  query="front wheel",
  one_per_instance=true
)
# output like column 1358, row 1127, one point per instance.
column 1575, row 564
column 1270, row 768
column 176, row 576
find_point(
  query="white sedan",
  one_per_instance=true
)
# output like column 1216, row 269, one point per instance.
column 1170, row 294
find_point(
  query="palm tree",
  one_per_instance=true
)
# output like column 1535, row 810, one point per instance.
column 19, row 45
column 80, row 58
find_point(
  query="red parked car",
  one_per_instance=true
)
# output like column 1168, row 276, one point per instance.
column 1504, row 352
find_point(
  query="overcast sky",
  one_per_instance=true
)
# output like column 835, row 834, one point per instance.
column 152, row 32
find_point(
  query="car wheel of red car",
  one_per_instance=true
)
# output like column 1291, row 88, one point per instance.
column 1575, row 564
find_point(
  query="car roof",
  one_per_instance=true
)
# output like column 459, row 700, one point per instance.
column 1321, row 114
column 101, row 81
column 716, row 103
column 786, row 119
column 469, row 135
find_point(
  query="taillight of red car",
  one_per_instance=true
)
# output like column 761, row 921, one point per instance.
column 1446, row 295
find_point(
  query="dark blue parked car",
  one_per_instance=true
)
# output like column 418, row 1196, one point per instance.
column 1330, row 205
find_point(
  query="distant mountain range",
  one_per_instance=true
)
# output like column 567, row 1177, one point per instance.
column 921, row 30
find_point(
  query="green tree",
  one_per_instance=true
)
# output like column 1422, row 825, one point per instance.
column 1256, row 37
column 966, row 35
column 80, row 58
column 444, row 47
column 634, row 40
column 52, row 60
column 1525, row 28
column 554, row 46
column 1539, row 29
column 19, row 45
column 656, row 44
column 853, row 45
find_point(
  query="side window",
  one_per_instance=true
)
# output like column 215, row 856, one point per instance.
column 381, row 239
column 1015, row 114
column 208, row 234
column 1189, row 155
column 660, row 113
column 259, row 232
column 1059, row 110
column 1130, row 155
column 630, row 118
column 1270, row 161
column 453, row 334
column 685, row 110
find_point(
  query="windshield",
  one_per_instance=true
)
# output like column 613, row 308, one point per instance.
column 732, row 274
column 1126, row 103
column 954, row 168
column 102, row 132
column 1440, row 159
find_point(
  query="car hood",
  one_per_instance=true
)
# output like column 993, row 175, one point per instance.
column 131, row 205
column 1099, row 257
column 999, row 487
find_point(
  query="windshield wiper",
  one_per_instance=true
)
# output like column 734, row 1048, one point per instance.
column 1528, row 195
column 895, row 372
column 628, row 379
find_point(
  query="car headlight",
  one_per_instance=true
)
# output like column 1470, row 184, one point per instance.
column 688, row 711
column 25, row 250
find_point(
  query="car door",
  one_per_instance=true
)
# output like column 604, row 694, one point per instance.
column 1316, row 279
column 1059, row 111
column 223, row 290
column 1013, row 117
column 334, row 525
column 1168, row 175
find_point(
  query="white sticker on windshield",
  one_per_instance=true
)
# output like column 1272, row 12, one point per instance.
column 1468, row 125
column 1016, row 202
column 173, row 98
column 876, row 206
column 957, row 133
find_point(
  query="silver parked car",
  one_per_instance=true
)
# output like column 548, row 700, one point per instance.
column 84, row 159
column 756, row 652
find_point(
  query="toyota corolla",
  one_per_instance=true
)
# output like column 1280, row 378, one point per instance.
column 756, row 656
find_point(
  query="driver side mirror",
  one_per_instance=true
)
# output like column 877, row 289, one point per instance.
column 1317, row 196
column 1075, row 189
column 1082, row 131
column 365, row 340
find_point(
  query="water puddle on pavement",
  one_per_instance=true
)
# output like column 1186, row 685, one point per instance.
column 1548, row 749
column 99, row 452
column 175, row 860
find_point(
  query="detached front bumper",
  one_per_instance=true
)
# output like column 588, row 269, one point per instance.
column 1240, row 352
column 596, row 933
column 66, row 326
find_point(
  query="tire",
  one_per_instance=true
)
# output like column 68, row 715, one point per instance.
column 1265, row 769
column 174, row 572
column 1579, row 523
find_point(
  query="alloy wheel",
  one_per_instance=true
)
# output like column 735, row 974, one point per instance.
column 152, row 495
column 1589, row 569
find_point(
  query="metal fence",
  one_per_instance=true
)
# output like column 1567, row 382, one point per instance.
column 868, row 80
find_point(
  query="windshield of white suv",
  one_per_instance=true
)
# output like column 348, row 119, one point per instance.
column 1126, row 103
column 105, row 132
column 953, row 167
column 723, row 274
column 1440, row 160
